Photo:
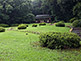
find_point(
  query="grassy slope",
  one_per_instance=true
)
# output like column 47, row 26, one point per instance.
column 17, row 46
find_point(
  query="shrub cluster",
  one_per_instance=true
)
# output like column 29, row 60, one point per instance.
column 22, row 26
column 60, row 24
column 58, row 40
column 42, row 24
column 4, row 25
column 2, row 29
column 72, row 19
column 34, row 25
column 77, row 23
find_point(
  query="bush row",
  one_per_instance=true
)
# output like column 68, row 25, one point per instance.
column 57, row 40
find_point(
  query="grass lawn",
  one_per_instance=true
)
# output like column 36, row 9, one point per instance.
column 17, row 46
column 47, row 28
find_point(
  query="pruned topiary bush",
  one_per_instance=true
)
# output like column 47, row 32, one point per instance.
column 2, row 29
column 34, row 25
column 77, row 23
column 22, row 26
column 60, row 24
column 57, row 40
column 4, row 25
column 42, row 24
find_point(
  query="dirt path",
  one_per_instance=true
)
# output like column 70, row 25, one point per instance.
column 77, row 31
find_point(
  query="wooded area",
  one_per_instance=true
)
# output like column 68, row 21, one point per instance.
column 24, row 11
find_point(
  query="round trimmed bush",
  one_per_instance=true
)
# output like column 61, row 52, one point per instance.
column 2, row 29
column 4, row 25
column 34, row 25
column 60, row 24
column 58, row 40
column 42, row 24
column 22, row 26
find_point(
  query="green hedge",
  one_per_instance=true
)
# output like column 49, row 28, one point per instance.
column 57, row 40
column 42, row 24
column 2, row 29
column 60, row 24
column 34, row 25
column 22, row 26
column 4, row 25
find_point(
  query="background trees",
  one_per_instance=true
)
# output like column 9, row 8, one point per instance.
column 24, row 11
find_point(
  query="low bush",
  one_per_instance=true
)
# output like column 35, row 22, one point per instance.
column 72, row 19
column 42, row 24
column 57, row 40
column 60, row 24
column 4, row 25
column 34, row 25
column 22, row 26
column 2, row 29
column 77, row 23
column 61, row 21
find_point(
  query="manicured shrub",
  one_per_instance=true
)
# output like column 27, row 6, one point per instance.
column 4, row 25
column 22, row 26
column 42, row 24
column 61, row 21
column 72, row 19
column 34, row 25
column 60, row 24
column 57, row 40
column 2, row 29
column 76, row 23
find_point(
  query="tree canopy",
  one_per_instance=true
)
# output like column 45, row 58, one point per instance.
column 24, row 11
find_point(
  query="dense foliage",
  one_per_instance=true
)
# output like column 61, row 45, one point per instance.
column 15, row 11
column 72, row 19
column 77, row 23
column 60, row 9
column 22, row 26
column 77, row 10
column 57, row 40
column 24, row 11
column 2, row 29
